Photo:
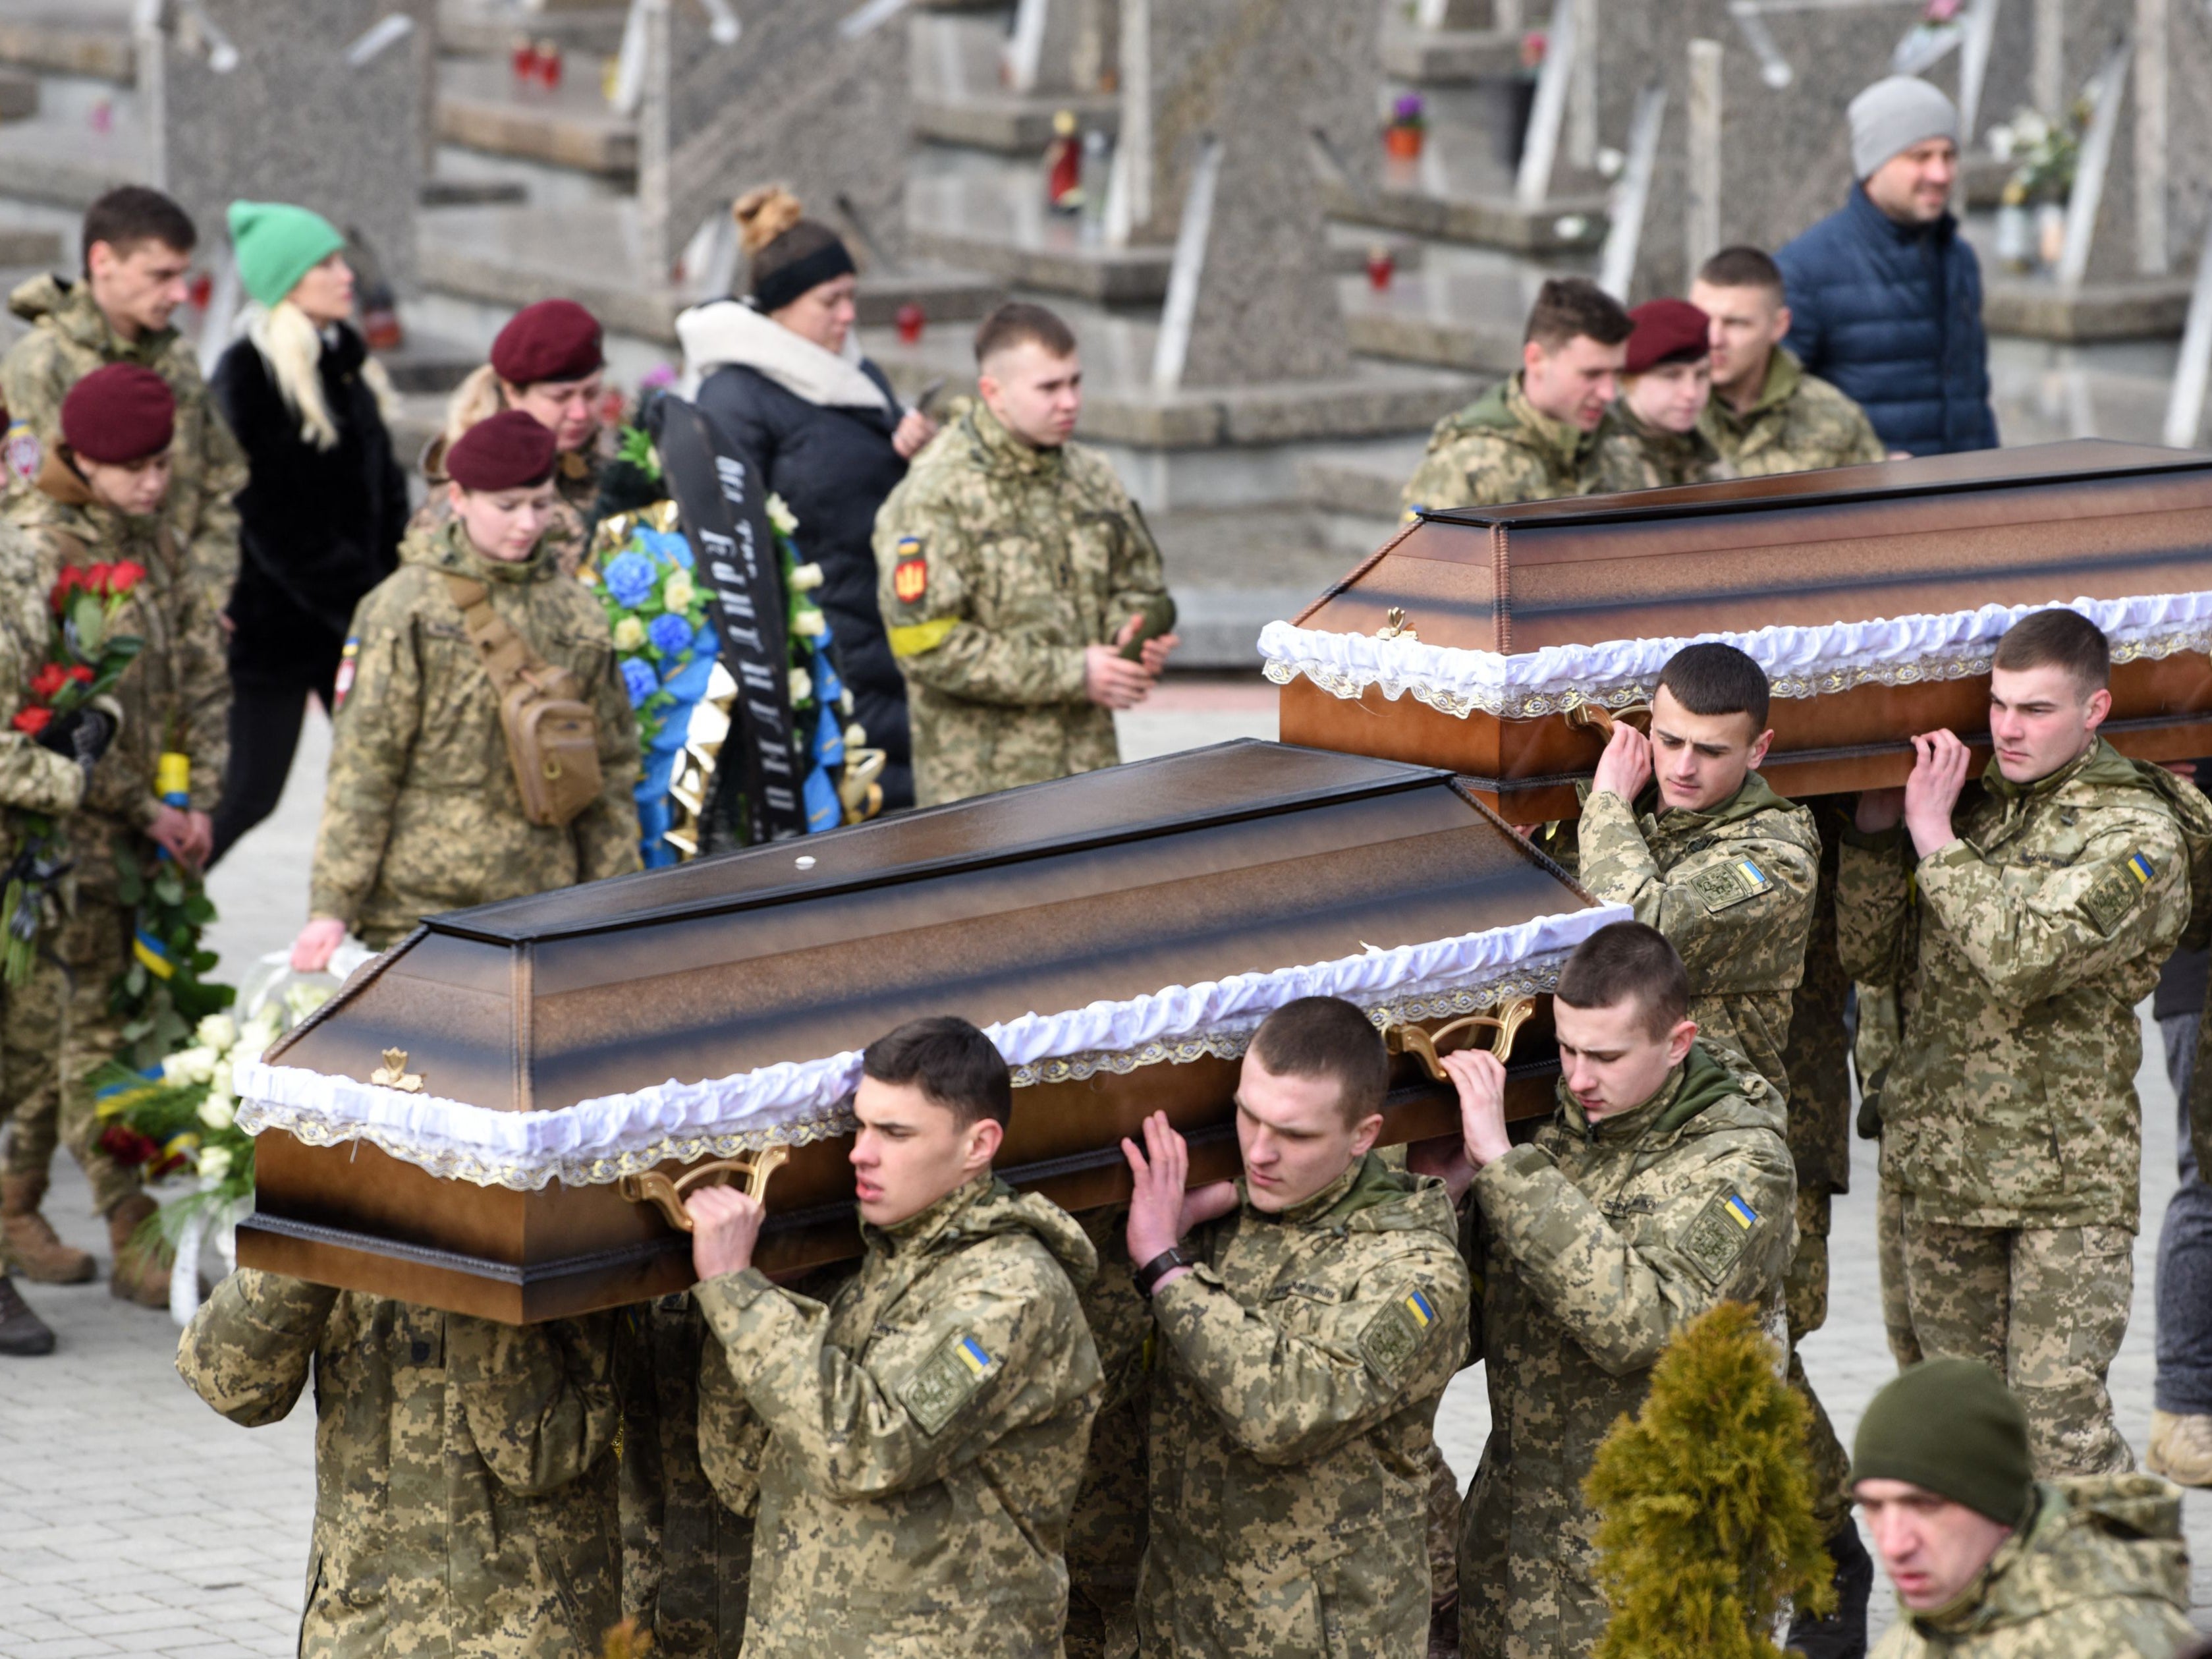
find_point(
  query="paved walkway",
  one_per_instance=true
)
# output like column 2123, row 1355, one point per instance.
column 135, row 1521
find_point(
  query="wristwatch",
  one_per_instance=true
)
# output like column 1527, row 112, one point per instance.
column 1159, row 1267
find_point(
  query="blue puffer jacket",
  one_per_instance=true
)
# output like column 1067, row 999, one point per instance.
column 1891, row 316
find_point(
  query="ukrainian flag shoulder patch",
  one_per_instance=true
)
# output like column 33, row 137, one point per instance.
column 1732, row 882
column 2118, row 891
column 1395, row 1335
column 1717, row 1234
column 955, row 1371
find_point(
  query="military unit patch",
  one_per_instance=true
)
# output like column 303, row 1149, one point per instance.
column 1716, row 1237
column 2113, row 894
column 21, row 452
column 1395, row 1335
column 910, row 575
column 948, row 1379
column 1723, row 885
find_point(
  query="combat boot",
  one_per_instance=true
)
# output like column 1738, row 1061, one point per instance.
column 1842, row 1633
column 141, row 1271
column 2180, row 1448
column 21, row 1331
column 28, row 1245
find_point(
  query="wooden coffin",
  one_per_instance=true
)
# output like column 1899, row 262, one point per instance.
column 1517, row 615
column 1119, row 933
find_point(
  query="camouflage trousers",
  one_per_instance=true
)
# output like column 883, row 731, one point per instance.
column 2045, row 1309
column 1805, row 1291
column 1889, row 1259
column 56, row 1032
column 1106, row 1536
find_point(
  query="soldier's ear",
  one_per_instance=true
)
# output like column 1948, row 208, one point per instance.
column 1679, row 1041
column 1781, row 324
column 1364, row 1135
column 985, row 1137
column 2098, row 706
column 1759, row 746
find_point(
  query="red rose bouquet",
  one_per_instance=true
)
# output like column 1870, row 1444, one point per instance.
column 86, row 658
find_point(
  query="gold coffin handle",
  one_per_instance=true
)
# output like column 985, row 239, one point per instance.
column 1506, row 1023
column 1596, row 717
column 667, row 1196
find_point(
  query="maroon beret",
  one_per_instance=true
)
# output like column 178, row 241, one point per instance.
column 119, row 414
column 552, row 340
column 509, row 451
column 1667, row 332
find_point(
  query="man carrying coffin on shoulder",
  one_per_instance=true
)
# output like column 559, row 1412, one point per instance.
column 927, row 1427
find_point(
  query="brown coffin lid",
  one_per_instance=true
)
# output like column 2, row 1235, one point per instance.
column 2042, row 524
column 1243, row 857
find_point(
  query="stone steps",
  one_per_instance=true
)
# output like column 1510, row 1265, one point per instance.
column 86, row 37
column 490, row 27
column 1441, row 58
column 481, row 107
column 1006, row 123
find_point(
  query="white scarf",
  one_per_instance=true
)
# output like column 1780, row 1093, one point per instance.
column 725, row 331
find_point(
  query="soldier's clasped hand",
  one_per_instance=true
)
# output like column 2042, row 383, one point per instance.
column 1939, row 773
column 1161, row 1210
column 726, row 1226
column 1626, row 766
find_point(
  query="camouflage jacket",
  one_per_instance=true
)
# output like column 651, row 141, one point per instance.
column 2021, row 951
column 69, row 339
column 1633, row 455
column 925, row 1434
column 1592, row 1245
column 31, row 779
column 465, row 1471
column 998, row 565
column 1500, row 449
column 1817, row 1057
column 686, row 1558
column 420, row 813
column 1731, row 889
column 1798, row 422
column 2102, row 1569
column 576, row 486
column 176, row 692
column 1300, row 1367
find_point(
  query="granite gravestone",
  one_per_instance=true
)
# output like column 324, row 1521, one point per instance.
column 323, row 106
column 811, row 95
column 1238, row 105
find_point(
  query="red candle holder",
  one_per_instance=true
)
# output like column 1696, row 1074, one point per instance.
column 524, row 60
column 1381, row 266
column 549, row 65
column 910, row 321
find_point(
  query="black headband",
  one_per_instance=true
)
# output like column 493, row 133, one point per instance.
column 780, row 286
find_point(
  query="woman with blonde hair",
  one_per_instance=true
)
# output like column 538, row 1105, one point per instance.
column 549, row 361
column 781, row 372
column 324, row 503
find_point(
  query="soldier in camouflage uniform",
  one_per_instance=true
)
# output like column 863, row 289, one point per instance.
column 99, row 501
column 925, row 1430
column 1013, row 567
column 1660, row 1189
column 547, row 360
column 422, row 813
column 1533, row 436
column 1106, row 1534
column 1990, row 1564
column 1767, row 415
column 1650, row 438
column 1305, row 1330
column 43, row 775
column 465, row 1470
column 2036, row 917
column 137, row 245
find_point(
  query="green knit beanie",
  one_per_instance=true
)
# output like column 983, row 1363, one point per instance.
column 1950, row 1426
column 277, row 245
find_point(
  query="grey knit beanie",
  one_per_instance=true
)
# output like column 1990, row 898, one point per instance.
column 1893, row 115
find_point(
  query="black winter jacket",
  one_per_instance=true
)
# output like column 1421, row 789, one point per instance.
column 317, row 528
column 833, row 467
column 1891, row 316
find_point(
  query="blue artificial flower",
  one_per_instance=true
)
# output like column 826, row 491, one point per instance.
column 671, row 635
column 828, row 737
column 638, row 679
column 666, row 544
column 824, row 809
column 827, row 686
column 630, row 577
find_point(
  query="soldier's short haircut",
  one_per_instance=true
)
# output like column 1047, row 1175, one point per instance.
column 2059, row 638
column 1627, row 960
column 132, row 214
column 1568, row 307
column 1327, row 1037
column 1712, row 678
column 1743, row 267
column 954, row 1065
column 1018, row 322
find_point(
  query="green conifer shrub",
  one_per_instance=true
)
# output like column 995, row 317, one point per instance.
column 1705, row 1505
